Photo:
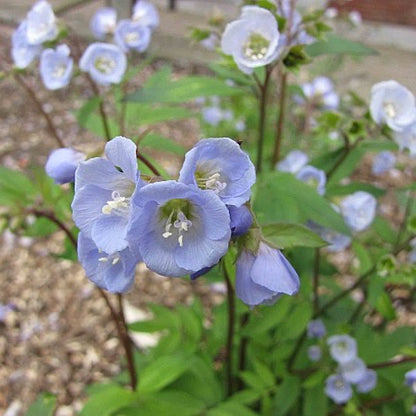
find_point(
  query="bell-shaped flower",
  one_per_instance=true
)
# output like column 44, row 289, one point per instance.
column 293, row 162
column 103, row 190
column 383, row 162
column 178, row 229
column 113, row 272
column 393, row 104
column 406, row 139
column 262, row 276
column 240, row 220
column 314, row 352
column 221, row 166
column 321, row 93
column 253, row 39
column 316, row 329
column 358, row 210
column 106, row 63
column 103, row 22
column 338, row 389
column 353, row 371
column 56, row 67
column 367, row 382
column 410, row 379
column 342, row 348
column 41, row 23
column 146, row 14
column 62, row 164
column 130, row 35
column 23, row 53
column 313, row 177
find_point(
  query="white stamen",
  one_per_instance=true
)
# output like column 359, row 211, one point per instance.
column 181, row 223
column 180, row 240
column 103, row 259
column 390, row 110
column 119, row 205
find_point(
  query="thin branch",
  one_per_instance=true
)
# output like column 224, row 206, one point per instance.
column 316, row 272
column 148, row 163
column 243, row 349
column 281, row 118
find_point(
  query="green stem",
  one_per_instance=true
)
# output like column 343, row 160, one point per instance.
column 242, row 352
column 262, row 118
column 281, row 118
column 230, row 332
column 316, row 272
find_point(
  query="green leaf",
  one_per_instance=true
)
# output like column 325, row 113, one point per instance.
column 363, row 256
column 107, row 401
column 43, row 406
column 230, row 73
column 264, row 373
column 15, row 188
column 286, row 396
column 161, row 143
column 280, row 197
column 161, row 372
column 230, row 408
column 161, row 89
column 85, row 112
column 295, row 322
column 337, row 45
column 385, row 306
column 290, row 235
column 315, row 402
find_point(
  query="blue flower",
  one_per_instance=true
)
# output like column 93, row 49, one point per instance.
column 314, row 177
column 316, row 329
column 262, row 276
column 383, row 162
column 336, row 241
column 56, row 67
column 314, row 352
column 178, row 229
column 41, row 23
column 321, row 93
column 240, row 220
column 103, row 189
column 253, row 39
column 130, row 35
column 62, row 163
column 342, row 348
column 145, row 14
column 358, row 210
column 367, row 382
column 410, row 379
column 393, row 104
column 103, row 22
column 22, row 52
column 220, row 165
column 212, row 115
column 106, row 63
column 338, row 389
column 293, row 162
column 353, row 370
column 406, row 139
column 114, row 272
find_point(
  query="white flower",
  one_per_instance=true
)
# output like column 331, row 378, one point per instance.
column 253, row 39
column 393, row 104
column 358, row 210
column 41, row 23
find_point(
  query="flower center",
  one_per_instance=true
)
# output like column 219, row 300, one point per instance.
column 389, row 109
column 255, row 47
column 210, row 181
column 119, row 205
column 132, row 37
column 113, row 259
column 339, row 384
column 59, row 71
column 178, row 221
column 104, row 64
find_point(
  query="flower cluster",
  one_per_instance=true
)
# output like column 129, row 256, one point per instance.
column 320, row 93
column 351, row 370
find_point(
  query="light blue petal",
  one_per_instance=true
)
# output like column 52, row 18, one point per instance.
column 109, row 233
column 122, row 153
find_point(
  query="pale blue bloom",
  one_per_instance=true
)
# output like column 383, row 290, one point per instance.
column 358, row 210
column 321, row 93
column 41, row 23
column 410, row 379
column 219, row 164
column 342, row 348
column 178, row 229
column 367, row 382
column 336, row 241
column 338, row 389
column 314, row 353
column 240, row 125
column 211, row 42
column 106, row 63
column 146, row 14
column 313, row 177
column 393, row 104
column 103, row 190
column 103, row 22
column 354, row 370
column 293, row 162
column 62, row 164
column 406, row 139
column 355, row 18
column 263, row 276
column 22, row 52
column 212, row 115
column 240, row 220
column 316, row 329
column 56, row 67
column 253, row 39
column 130, row 35
column 383, row 162
column 114, row 272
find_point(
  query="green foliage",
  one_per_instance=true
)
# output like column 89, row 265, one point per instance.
column 44, row 405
